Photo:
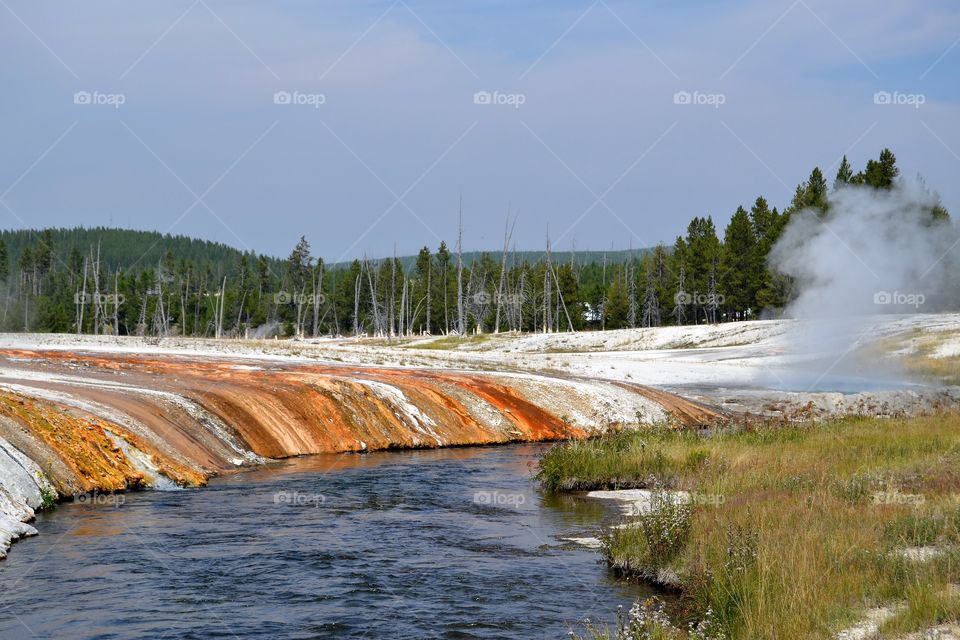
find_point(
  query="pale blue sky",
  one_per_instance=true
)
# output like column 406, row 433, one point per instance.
column 598, row 149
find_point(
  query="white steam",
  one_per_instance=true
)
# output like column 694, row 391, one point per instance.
column 873, row 252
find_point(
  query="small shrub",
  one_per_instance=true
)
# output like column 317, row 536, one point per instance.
column 48, row 498
column 741, row 549
column 653, row 539
column 666, row 528
column 647, row 620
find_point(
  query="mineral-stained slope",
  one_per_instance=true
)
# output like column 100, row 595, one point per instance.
column 73, row 422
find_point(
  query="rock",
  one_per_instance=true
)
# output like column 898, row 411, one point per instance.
column 11, row 530
column 590, row 542
column 637, row 501
column 941, row 632
column 22, row 479
column 869, row 627
column 921, row 554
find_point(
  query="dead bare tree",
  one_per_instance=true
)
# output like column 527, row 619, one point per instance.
column 547, row 294
column 680, row 301
column 317, row 297
column 219, row 313
column 356, row 303
column 82, row 299
column 507, row 234
column 651, row 306
column 461, row 326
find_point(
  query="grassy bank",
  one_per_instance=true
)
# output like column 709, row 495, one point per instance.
column 789, row 532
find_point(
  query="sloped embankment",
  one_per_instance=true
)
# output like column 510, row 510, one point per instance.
column 73, row 423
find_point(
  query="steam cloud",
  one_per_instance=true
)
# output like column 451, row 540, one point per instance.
column 873, row 252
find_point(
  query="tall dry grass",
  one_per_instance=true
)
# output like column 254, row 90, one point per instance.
column 794, row 531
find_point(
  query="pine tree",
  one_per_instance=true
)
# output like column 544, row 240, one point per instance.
column 844, row 174
column 4, row 262
column 422, row 289
column 616, row 306
column 880, row 173
column 811, row 194
column 702, row 254
column 738, row 260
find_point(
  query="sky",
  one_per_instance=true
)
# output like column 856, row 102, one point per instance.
column 361, row 124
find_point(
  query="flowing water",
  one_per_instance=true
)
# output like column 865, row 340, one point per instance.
column 453, row 543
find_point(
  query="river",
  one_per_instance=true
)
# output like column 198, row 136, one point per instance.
column 449, row 543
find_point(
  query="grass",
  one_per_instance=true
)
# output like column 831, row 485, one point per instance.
column 447, row 343
column 802, row 533
column 624, row 460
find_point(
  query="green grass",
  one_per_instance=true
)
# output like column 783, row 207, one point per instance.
column 805, row 534
column 625, row 460
column 447, row 343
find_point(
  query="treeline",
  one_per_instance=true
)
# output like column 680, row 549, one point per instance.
column 107, row 281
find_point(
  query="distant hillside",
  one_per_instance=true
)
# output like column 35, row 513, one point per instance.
column 558, row 257
column 125, row 248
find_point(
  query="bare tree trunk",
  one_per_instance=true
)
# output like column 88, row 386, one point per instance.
column 356, row 304
column 219, row 313
column 507, row 233
column 393, row 291
column 429, row 292
column 562, row 304
column 116, row 302
column 82, row 301
column 96, row 293
column 461, row 326
column 547, row 295
column 317, row 295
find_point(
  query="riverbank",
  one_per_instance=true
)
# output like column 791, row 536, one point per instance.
column 99, row 414
column 76, row 422
column 785, row 531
